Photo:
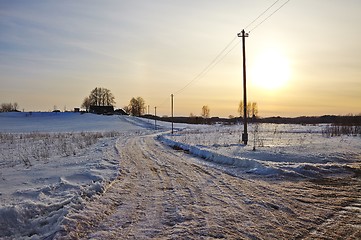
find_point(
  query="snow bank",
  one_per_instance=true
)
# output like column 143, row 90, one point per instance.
column 35, row 199
column 251, row 165
column 290, row 150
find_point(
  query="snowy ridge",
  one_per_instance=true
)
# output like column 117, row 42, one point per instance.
column 299, row 158
column 209, row 155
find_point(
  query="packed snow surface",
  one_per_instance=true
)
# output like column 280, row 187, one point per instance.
column 81, row 176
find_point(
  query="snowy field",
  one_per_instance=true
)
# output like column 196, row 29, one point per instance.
column 51, row 162
column 74, row 176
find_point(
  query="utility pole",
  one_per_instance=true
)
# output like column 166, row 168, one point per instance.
column 148, row 114
column 243, row 35
column 155, row 118
column 172, row 109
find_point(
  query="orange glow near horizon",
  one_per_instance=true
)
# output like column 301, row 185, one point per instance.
column 54, row 53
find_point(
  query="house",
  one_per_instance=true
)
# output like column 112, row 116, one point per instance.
column 101, row 109
column 120, row 112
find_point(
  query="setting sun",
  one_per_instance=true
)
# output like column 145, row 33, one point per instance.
column 270, row 70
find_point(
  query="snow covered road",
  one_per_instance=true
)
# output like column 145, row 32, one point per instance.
column 162, row 193
column 71, row 176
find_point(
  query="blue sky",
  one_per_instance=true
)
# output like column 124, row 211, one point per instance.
column 53, row 53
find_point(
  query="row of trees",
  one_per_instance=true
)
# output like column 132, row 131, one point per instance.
column 252, row 109
column 136, row 107
column 103, row 97
column 98, row 97
column 205, row 113
column 9, row 107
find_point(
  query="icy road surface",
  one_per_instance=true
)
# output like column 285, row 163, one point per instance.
column 166, row 194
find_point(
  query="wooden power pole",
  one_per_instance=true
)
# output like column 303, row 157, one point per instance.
column 172, row 109
column 243, row 35
column 155, row 118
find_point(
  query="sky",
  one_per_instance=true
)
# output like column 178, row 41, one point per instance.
column 304, row 60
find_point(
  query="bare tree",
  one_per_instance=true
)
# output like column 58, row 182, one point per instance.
column 252, row 109
column 99, row 97
column 15, row 106
column 86, row 103
column 241, row 106
column 8, row 107
column 205, row 112
column 95, row 97
column 107, row 97
column 136, row 106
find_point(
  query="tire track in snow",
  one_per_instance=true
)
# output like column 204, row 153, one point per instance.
column 166, row 194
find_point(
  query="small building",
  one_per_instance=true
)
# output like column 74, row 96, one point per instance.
column 120, row 112
column 101, row 109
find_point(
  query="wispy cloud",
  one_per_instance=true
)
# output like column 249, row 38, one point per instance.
column 157, row 46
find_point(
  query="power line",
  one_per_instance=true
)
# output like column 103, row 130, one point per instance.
column 207, row 68
column 163, row 102
column 261, row 14
column 219, row 57
column 225, row 55
column 269, row 16
column 212, row 64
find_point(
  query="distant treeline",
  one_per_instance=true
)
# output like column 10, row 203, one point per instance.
column 349, row 120
column 354, row 120
column 9, row 107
